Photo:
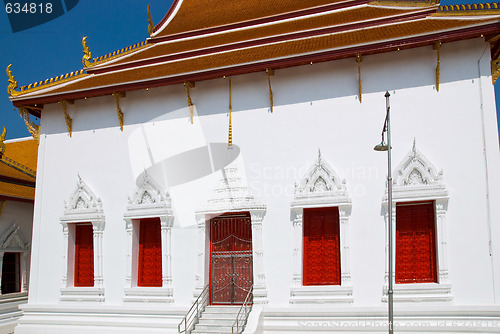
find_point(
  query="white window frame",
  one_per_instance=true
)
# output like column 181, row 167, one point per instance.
column 321, row 187
column 83, row 206
column 417, row 180
column 148, row 201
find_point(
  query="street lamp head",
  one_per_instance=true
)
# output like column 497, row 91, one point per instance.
column 381, row 147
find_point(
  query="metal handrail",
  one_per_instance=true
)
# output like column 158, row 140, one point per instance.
column 246, row 306
column 193, row 315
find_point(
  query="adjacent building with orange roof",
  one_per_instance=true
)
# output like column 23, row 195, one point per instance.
column 226, row 163
column 18, row 160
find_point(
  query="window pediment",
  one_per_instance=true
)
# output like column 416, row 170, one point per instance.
column 320, row 184
column 148, row 199
column 13, row 240
column 417, row 178
column 83, row 205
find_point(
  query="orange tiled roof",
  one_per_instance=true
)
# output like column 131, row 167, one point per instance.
column 357, row 24
column 16, row 191
column 196, row 14
column 278, row 28
column 261, row 53
column 18, row 169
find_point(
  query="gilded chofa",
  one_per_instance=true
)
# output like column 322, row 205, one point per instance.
column 12, row 83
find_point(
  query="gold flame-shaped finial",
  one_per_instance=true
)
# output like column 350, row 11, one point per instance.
column 151, row 26
column 12, row 83
column 87, row 55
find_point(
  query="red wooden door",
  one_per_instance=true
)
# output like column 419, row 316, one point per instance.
column 231, row 265
column 415, row 243
column 84, row 255
column 321, row 247
column 150, row 268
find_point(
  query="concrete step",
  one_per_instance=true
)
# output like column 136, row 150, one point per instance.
column 217, row 319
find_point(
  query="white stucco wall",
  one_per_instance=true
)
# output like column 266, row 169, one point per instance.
column 315, row 106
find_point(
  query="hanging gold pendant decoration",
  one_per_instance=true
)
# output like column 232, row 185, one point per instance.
column 270, row 72
column 437, row 47
column 67, row 118
column 117, row 97
column 360, row 92
column 230, row 135
column 188, row 85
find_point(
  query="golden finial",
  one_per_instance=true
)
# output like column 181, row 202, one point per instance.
column 12, row 83
column 2, row 144
column 151, row 26
column 87, row 55
column 230, row 136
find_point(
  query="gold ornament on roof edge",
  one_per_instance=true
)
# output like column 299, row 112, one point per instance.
column 151, row 26
column 87, row 55
column 2, row 139
column 33, row 129
column 12, row 83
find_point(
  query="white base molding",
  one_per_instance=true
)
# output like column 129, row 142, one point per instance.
column 428, row 319
column 421, row 292
column 102, row 319
column 10, row 312
column 82, row 294
column 321, row 294
column 149, row 295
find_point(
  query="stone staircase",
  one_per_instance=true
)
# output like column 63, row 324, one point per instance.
column 217, row 319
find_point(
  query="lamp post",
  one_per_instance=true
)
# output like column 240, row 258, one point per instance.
column 387, row 147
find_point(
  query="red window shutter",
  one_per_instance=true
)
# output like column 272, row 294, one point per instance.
column 150, row 270
column 84, row 255
column 321, row 247
column 415, row 243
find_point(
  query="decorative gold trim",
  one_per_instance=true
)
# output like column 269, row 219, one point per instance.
column 2, row 144
column 495, row 69
column 151, row 26
column 230, row 135
column 360, row 91
column 117, row 97
column 87, row 55
column 118, row 53
column 67, row 118
column 402, row 3
column 12, row 83
column 188, row 85
column 270, row 73
column 437, row 47
column 33, row 129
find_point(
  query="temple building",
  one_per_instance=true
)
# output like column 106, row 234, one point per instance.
column 220, row 176
column 17, row 196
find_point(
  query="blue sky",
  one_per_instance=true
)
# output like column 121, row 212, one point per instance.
column 55, row 47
